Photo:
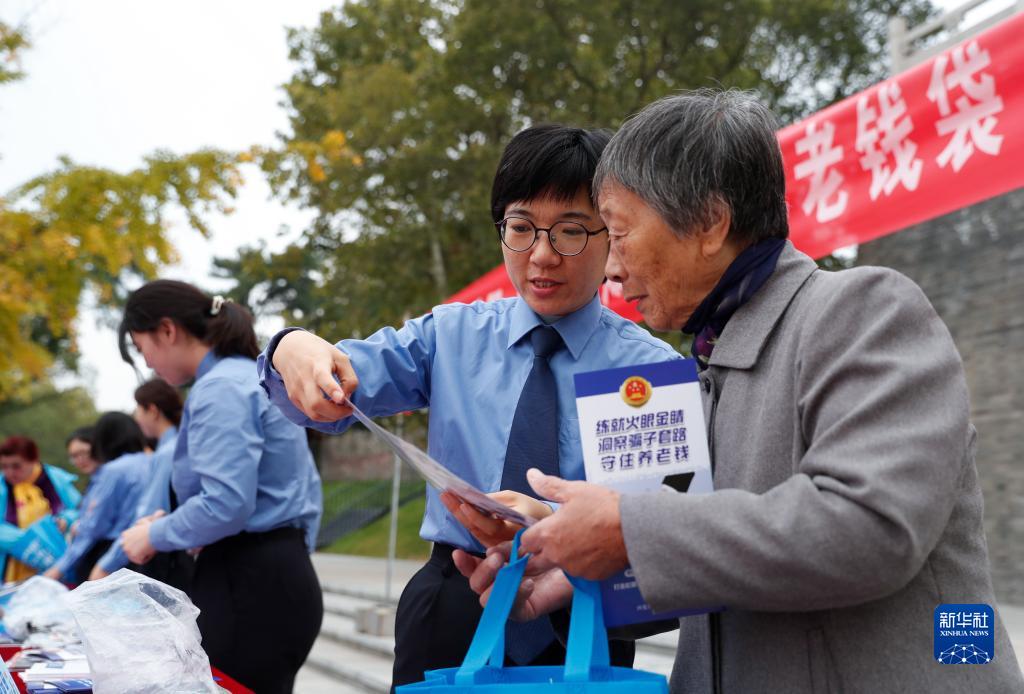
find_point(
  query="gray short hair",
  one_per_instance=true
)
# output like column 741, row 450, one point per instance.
column 687, row 154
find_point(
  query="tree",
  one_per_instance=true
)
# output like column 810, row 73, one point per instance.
column 81, row 228
column 48, row 415
column 399, row 110
column 12, row 42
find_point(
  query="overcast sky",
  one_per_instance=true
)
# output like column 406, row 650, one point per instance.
column 109, row 81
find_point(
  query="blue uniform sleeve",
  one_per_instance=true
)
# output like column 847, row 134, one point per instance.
column 157, row 494
column 154, row 496
column 393, row 367
column 95, row 522
column 114, row 558
column 225, row 444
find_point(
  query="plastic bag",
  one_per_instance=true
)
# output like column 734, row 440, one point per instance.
column 38, row 604
column 140, row 636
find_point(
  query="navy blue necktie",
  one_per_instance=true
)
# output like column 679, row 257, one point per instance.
column 533, row 442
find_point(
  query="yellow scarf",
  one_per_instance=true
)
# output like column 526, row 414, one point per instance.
column 31, row 505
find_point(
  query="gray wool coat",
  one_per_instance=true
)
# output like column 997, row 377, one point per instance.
column 847, row 505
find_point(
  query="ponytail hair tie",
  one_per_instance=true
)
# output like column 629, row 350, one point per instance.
column 218, row 303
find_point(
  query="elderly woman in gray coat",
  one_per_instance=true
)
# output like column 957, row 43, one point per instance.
column 847, row 506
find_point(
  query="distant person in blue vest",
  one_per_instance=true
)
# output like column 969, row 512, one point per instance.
column 30, row 492
column 248, row 493
column 158, row 407
column 109, row 504
column 497, row 377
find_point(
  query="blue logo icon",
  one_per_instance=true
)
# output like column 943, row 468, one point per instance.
column 964, row 634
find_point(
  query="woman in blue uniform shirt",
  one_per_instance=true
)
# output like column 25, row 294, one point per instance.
column 158, row 408
column 109, row 504
column 249, row 495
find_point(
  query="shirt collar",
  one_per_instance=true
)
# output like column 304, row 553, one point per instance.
column 166, row 437
column 208, row 362
column 575, row 329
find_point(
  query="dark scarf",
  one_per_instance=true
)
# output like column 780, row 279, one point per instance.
column 741, row 280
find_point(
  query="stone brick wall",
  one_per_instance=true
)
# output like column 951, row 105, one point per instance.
column 970, row 263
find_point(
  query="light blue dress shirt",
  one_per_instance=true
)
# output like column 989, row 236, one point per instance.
column 108, row 506
column 468, row 363
column 239, row 465
column 156, row 495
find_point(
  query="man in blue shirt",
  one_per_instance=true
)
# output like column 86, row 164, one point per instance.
column 469, row 364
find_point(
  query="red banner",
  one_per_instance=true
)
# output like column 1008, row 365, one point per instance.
column 941, row 136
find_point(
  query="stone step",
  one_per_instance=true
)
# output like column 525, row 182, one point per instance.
column 342, row 631
column 343, row 602
column 343, row 606
column 352, row 668
column 371, row 596
column 663, row 644
column 655, row 654
column 310, row 680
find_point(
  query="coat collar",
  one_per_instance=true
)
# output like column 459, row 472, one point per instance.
column 749, row 328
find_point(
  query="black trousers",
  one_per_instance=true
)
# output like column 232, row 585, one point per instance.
column 437, row 617
column 85, row 565
column 173, row 568
column 261, row 607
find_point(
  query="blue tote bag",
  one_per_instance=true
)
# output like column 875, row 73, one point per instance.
column 586, row 669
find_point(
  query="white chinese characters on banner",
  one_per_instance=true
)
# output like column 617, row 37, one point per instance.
column 974, row 119
column 824, row 196
column 883, row 136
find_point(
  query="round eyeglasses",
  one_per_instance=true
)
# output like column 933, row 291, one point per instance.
column 567, row 238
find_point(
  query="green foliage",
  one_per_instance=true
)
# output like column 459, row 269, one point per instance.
column 12, row 41
column 82, row 227
column 399, row 111
column 47, row 416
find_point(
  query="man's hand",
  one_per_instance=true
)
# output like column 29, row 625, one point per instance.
column 53, row 573
column 492, row 531
column 544, row 589
column 62, row 524
column 307, row 365
column 135, row 540
column 97, row 573
column 584, row 537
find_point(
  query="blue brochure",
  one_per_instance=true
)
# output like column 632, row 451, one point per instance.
column 642, row 430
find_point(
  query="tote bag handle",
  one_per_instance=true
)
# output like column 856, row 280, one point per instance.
column 588, row 640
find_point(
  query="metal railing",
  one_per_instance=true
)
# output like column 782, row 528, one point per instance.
column 349, row 508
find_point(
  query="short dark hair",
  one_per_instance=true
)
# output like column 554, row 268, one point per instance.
column 229, row 332
column 546, row 161
column 21, row 446
column 162, row 394
column 84, row 434
column 686, row 155
column 116, row 434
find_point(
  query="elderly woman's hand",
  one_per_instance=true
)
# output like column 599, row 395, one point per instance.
column 308, row 365
column 584, row 537
column 492, row 531
column 544, row 588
